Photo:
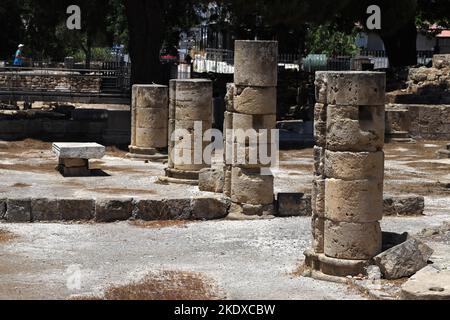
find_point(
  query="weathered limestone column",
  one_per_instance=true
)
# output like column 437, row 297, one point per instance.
column 190, row 116
column 149, row 115
column 251, row 106
column 347, row 196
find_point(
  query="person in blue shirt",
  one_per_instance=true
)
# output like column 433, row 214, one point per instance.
column 19, row 57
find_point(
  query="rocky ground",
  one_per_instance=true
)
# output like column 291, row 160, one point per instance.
column 240, row 259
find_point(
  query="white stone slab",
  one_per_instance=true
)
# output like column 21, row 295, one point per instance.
column 68, row 150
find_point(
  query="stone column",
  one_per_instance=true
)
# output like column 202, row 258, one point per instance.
column 251, row 105
column 190, row 116
column 347, row 196
column 149, row 115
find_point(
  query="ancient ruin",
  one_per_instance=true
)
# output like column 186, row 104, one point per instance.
column 190, row 116
column 149, row 121
column 347, row 196
column 73, row 158
column 251, row 107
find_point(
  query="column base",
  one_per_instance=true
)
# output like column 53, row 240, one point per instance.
column 151, row 154
column 331, row 267
column 180, row 177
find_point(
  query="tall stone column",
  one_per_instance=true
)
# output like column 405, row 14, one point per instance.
column 149, row 115
column 190, row 116
column 251, row 106
column 347, row 196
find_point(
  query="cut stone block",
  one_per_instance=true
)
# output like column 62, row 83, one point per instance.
column 352, row 241
column 319, row 161
column 404, row 260
column 318, row 234
column 79, row 150
column 209, row 208
column 320, row 133
column 45, row 210
column 169, row 209
column 153, row 138
column 249, row 210
column 351, row 88
column 76, row 209
column 293, row 205
column 110, row 210
column 18, row 210
column 254, row 100
column 2, row 208
column 256, row 63
column 250, row 187
column 320, row 112
column 354, row 165
column 318, row 197
column 212, row 180
column 151, row 118
column 404, row 206
column 344, row 133
column 359, row 201
column 428, row 284
column 150, row 96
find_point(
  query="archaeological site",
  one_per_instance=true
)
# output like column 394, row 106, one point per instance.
column 234, row 158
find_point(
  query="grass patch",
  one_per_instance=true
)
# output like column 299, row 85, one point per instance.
column 160, row 224
column 6, row 236
column 165, row 285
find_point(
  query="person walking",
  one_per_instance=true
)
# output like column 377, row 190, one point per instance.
column 19, row 57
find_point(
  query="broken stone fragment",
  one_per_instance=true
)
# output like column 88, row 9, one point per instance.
column 404, row 206
column 210, row 208
column 212, row 180
column 428, row 284
column 404, row 260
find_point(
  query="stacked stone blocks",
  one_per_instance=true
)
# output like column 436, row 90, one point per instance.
column 149, row 121
column 251, row 106
column 347, row 195
column 190, row 117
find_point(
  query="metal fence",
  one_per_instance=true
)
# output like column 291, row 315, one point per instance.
column 222, row 61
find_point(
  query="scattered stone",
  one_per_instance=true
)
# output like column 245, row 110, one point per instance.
column 210, row 208
column 109, row 210
column 404, row 206
column 293, row 205
column 45, row 210
column 373, row 273
column 404, row 260
column 212, row 180
column 18, row 210
column 250, row 212
column 428, row 284
column 76, row 209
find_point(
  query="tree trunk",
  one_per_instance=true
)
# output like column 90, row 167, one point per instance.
column 401, row 46
column 146, row 28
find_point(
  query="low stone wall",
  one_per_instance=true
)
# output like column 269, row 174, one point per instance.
column 428, row 122
column 109, row 127
column 426, row 85
column 59, row 82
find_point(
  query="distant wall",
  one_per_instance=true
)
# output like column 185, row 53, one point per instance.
column 66, row 82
